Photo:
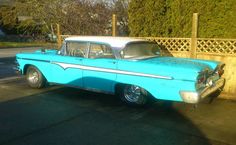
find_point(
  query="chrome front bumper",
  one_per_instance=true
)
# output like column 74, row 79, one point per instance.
column 195, row 97
column 16, row 70
column 16, row 67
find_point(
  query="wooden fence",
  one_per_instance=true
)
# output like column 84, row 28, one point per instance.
column 223, row 50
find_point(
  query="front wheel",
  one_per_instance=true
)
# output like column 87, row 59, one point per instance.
column 35, row 78
column 134, row 95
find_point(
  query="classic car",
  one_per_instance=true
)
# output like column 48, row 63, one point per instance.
column 134, row 69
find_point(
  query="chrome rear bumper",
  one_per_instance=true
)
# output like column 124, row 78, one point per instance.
column 195, row 97
column 219, row 84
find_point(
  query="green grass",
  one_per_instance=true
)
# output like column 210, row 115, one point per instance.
column 27, row 44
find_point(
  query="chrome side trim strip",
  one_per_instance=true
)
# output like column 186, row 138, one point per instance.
column 196, row 97
column 66, row 65
column 34, row 59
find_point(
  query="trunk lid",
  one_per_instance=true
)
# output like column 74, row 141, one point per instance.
column 192, row 64
column 180, row 68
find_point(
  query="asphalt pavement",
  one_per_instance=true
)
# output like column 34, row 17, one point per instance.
column 11, row 52
column 7, row 59
column 59, row 115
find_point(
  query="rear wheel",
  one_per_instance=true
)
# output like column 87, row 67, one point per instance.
column 133, row 95
column 35, row 78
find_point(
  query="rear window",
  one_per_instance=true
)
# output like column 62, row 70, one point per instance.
column 139, row 50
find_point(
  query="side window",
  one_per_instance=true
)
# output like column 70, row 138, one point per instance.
column 77, row 49
column 100, row 51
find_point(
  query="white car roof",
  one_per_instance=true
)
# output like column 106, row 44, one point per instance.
column 118, row 42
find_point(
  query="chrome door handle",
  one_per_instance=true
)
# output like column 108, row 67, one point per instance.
column 80, row 59
column 114, row 62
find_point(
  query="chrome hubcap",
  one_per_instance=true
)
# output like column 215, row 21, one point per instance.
column 132, row 93
column 33, row 76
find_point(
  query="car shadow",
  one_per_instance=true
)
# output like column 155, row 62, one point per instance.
column 6, row 67
column 72, row 116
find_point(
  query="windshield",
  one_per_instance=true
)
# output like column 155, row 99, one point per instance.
column 140, row 50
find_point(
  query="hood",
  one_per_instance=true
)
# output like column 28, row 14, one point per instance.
column 42, row 54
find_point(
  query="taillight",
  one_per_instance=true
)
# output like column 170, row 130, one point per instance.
column 220, row 69
column 201, row 79
column 220, row 72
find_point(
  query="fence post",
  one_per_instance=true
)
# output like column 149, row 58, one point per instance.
column 114, row 21
column 194, row 35
column 58, row 36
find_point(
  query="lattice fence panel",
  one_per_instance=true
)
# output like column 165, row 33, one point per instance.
column 173, row 44
column 218, row 46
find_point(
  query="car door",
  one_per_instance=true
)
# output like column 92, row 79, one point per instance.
column 67, row 65
column 100, row 63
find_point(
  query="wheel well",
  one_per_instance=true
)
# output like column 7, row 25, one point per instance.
column 25, row 68
column 118, row 87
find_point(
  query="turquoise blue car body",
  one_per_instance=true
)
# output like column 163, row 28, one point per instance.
column 163, row 77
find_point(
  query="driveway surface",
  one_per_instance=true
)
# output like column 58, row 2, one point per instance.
column 59, row 115
column 11, row 52
column 7, row 58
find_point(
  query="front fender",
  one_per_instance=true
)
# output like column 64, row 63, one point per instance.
column 43, row 67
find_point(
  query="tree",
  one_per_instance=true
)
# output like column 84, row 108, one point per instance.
column 173, row 18
column 146, row 18
column 81, row 17
column 120, row 8
column 217, row 18
column 8, row 17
